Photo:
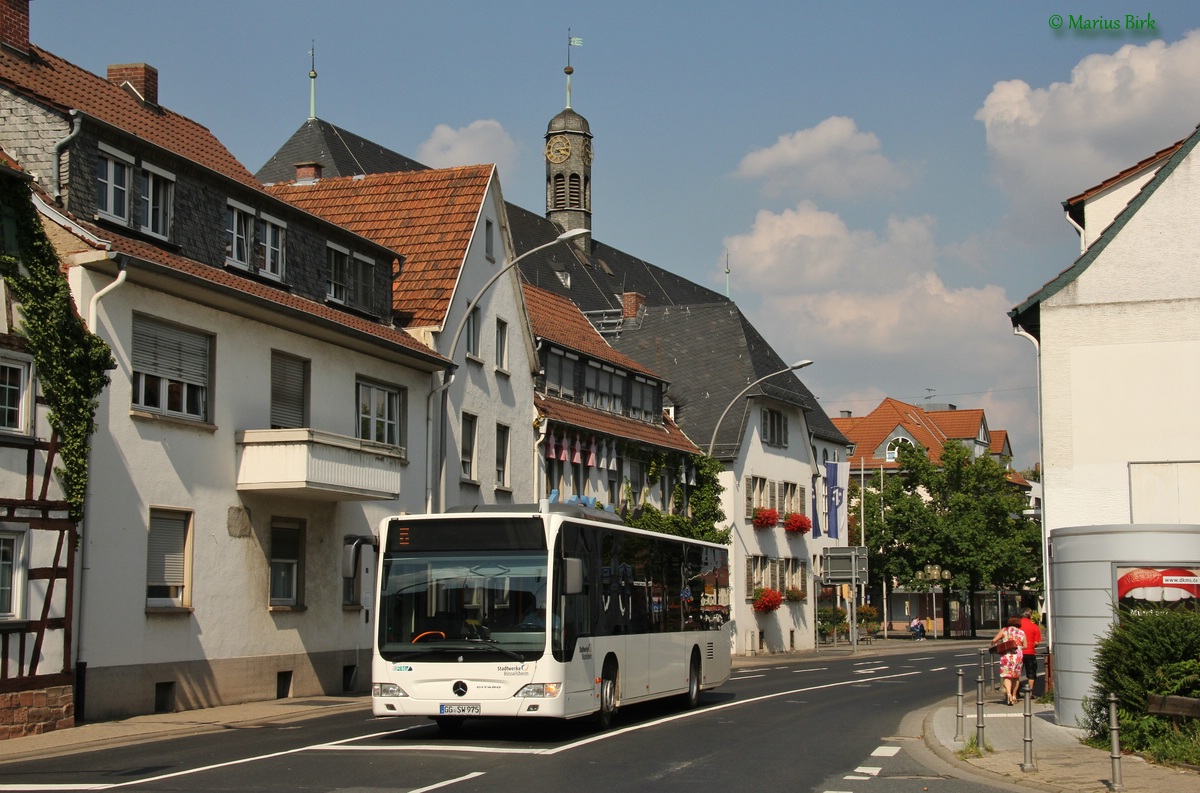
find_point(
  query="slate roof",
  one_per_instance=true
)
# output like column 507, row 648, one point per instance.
column 339, row 151
column 709, row 352
column 556, row 319
column 428, row 216
column 1027, row 315
column 666, row 435
column 64, row 86
column 254, row 292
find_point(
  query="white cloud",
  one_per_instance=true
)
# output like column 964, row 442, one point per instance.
column 1047, row 144
column 483, row 141
column 832, row 159
column 870, row 308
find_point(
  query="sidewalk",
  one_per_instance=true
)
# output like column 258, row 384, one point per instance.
column 1062, row 762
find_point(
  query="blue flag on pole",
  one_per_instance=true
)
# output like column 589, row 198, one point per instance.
column 837, row 477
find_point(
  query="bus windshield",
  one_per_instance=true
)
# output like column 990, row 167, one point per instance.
column 485, row 605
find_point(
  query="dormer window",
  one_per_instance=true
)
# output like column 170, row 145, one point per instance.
column 604, row 387
column 270, row 242
column 893, row 448
column 157, row 188
column 642, row 402
column 351, row 277
column 112, row 183
column 239, row 231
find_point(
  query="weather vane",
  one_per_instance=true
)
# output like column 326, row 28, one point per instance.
column 572, row 41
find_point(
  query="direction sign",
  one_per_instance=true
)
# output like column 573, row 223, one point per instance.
column 845, row 565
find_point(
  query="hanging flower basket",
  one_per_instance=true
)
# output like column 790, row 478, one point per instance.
column 795, row 523
column 765, row 517
column 793, row 594
column 767, row 600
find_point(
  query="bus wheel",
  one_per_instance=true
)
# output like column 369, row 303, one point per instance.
column 692, row 697
column 608, row 695
column 450, row 725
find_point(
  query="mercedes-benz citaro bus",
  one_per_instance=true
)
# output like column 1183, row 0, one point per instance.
column 544, row 610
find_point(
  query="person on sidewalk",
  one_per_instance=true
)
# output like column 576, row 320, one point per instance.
column 1033, row 637
column 1011, row 666
column 917, row 629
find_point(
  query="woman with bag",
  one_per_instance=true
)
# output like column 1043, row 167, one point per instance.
column 1008, row 642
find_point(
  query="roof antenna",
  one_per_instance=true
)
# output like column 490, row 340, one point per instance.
column 572, row 41
column 312, row 79
column 727, row 274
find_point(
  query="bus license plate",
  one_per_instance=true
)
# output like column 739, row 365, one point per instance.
column 460, row 709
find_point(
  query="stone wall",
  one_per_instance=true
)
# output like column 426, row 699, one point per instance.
column 35, row 712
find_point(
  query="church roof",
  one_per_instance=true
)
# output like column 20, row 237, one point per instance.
column 338, row 151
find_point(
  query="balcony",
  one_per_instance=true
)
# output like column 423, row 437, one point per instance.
column 322, row 466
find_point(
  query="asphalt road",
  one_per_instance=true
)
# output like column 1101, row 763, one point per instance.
column 836, row 724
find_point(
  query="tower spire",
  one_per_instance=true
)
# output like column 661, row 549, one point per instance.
column 572, row 41
column 312, row 81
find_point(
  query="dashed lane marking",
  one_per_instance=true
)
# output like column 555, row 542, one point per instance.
column 886, row 751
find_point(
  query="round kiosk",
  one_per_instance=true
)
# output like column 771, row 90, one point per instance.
column 1094, row 567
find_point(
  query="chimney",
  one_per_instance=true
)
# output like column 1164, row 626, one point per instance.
column 308, row 172
column 631, row 304
column 847, row 414
column 141, row 77
column 14, row 25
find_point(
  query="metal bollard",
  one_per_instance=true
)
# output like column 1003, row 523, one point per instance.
column 1115, row 731
column 1028, row 765
column 958, row 716
column 979, row 704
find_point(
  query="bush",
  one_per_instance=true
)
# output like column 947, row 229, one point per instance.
column 828, row 617
column 1147, row 651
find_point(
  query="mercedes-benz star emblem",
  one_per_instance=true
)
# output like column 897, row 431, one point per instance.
column 460, row 688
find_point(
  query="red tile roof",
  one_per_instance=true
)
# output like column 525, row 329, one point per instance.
column 999, row 437
column 220, row 278
column 556, row 319
column 666, row 435
column 64, row 86
column 428, row 216
column 1157, row 158
column 929, row 428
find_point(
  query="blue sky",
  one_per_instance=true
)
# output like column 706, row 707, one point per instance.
column 885, row 178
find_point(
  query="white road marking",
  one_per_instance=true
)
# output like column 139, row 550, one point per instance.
column 923, row 658
column 745, row 677
column 886, row 751
column 448, row 782
column 855, row 776
column 939, row 669
column 869, row 770
column 871, row 671
column 55, row 787
column 814, row 669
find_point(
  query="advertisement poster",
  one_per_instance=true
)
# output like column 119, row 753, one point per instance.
column 1177, row 587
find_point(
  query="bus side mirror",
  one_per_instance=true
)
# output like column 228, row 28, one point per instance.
column 572, row 576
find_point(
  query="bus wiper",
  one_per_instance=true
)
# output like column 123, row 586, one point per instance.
column 498, row 648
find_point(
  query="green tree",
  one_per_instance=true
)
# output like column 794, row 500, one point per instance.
column 962, row 514
column 697, row 514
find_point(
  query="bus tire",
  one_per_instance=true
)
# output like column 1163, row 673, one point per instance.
column 610, row 692
column 692, row 698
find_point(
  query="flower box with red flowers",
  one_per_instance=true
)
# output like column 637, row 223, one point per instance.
column 795, row 523
column 765, row 517
column 767, row 600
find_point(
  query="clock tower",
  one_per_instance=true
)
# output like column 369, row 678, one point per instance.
column 569, row 169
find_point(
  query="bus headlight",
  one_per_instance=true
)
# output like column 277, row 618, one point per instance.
column 542, row 690
column 387, row 690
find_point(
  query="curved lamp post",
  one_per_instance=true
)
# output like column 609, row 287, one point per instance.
column 445, row 385
column 732, row 402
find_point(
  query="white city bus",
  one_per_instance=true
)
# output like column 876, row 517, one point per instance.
column 550, row 610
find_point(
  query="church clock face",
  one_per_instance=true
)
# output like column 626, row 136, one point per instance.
column 558, row 149
column 587, row 152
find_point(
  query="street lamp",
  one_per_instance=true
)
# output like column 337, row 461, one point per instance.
column 933, row 573
column 443, row 388
column 732, row 402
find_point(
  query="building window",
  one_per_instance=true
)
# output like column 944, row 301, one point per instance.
column 893, row 448
column 489, row 239
column 14, row 396
column 170, row 369
column 775, row 428
column 270, row 245
column 603, row 387
column 560, row 373
column 642, row 399
column 339, row 274
column 287, row 562
column 112, row 183
column 501, row 344
column 501, row 455
column 239, row 230
column 12, row 573
column 791, row 498
column 777, row 574
column 468, row 446
column 471, row 332
column 157, row 188
column 380, row 411
column 363, row 281
column 168, row 559
column 757, row 495
column 289, row 391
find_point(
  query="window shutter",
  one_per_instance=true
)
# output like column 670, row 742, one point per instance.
column 773, row 494
column 287, row 391
column 285, row 543
column 749, row 576
column 802, row 576
column 766, row 426
column 783, row 420
column 749, row 497
column 165, row 556
column 170, row 352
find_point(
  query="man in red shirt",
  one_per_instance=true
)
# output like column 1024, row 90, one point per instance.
column 1033, row 636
